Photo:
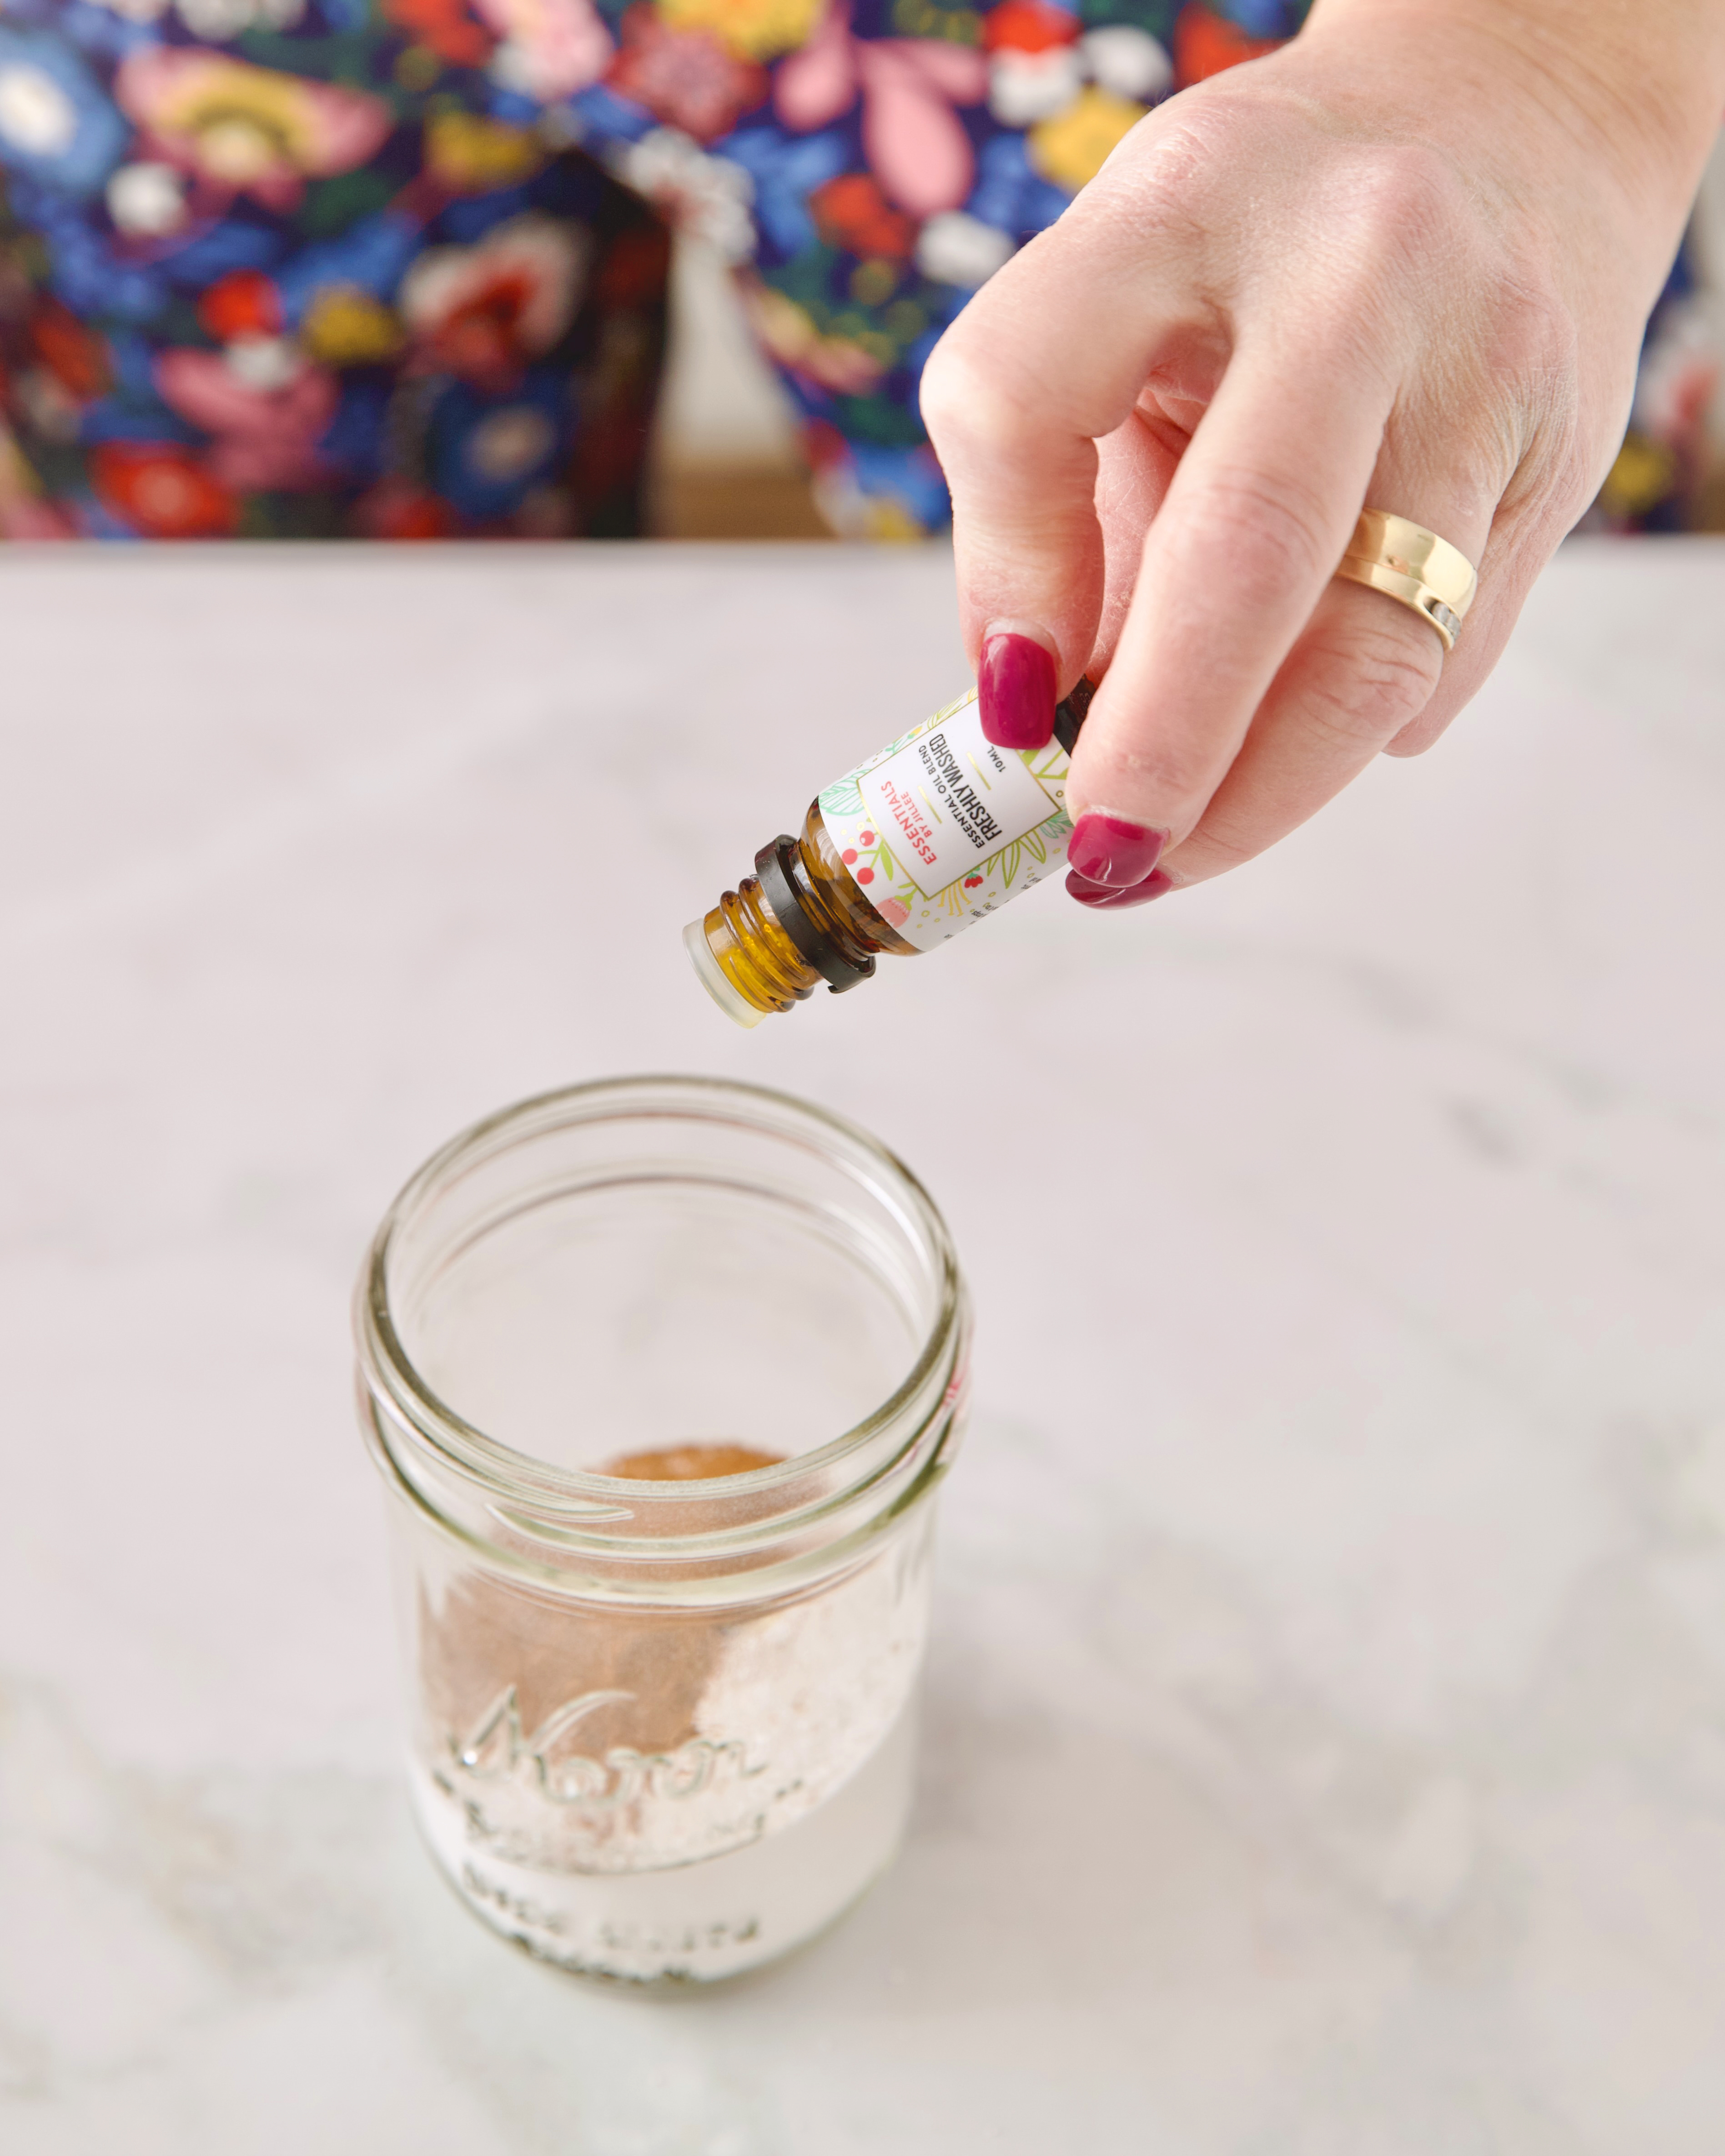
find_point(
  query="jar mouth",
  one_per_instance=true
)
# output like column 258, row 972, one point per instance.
column 520, row 1487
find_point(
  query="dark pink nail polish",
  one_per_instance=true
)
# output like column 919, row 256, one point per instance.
column 1113, row 849
column 1102, row 897
column 1015, row 691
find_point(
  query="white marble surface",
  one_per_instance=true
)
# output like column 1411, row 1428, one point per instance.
column 1326, row 1752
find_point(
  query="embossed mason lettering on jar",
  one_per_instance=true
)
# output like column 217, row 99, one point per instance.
column 662, row 1374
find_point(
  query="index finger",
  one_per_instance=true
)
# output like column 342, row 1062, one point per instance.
column 1048, row 358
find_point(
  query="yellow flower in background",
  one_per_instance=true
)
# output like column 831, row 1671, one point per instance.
column 474, row 155
column 345, row 326
column 1644, row 473
column 758, row 29
column 874, row 282
column 1073, row 147
column 248, row 130
column 885, row 518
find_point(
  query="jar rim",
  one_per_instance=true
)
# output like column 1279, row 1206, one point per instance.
column 584, row 1496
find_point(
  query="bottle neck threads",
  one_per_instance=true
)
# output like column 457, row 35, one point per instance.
column 804, row 917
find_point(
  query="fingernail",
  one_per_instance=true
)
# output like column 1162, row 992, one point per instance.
column 1102, row 897
column 1015, row 689
column 1113, row 850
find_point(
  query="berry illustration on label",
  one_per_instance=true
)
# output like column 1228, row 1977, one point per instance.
column 942, row 826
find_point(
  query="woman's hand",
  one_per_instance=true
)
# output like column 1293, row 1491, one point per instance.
column 1404, row 262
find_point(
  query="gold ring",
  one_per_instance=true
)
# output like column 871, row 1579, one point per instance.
column 1414, row 566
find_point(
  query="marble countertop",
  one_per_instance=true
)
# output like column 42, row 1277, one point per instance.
column 1325, row 1748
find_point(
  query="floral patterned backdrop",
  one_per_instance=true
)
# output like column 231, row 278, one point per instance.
column 396, row 268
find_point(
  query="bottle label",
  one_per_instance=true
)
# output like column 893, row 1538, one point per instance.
column 942, row 827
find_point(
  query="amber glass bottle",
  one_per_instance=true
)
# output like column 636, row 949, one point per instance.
column 937, row 830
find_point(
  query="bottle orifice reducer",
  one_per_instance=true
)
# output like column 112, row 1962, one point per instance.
column 937, row 830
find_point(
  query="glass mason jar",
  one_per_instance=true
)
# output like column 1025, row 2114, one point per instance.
column 660, row 1728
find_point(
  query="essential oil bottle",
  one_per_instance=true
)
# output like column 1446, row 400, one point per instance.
column 937, row 830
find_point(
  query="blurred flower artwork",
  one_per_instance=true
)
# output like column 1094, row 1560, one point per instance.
column 1124, row 59
column 1670, row 474
column 1207, row 40
column 758, row 29
column 160, row 490
column 397, row 269
column 73, row 353
column 264, row 404
column 471, row 155
column 954, row 248
column 447, row 29
column 690, row 78
column 817, row 360
column 710, row 196
column 219, row 22
column 57, row 125
column 547, row 48
column 1072, row 146
column 345, row 326
column 241, row 129
column 1035, row 68
column 910, row 90
column 488, row 449
column 147, row 200
column 852, row 212
column 24, row 514
column 481, row 313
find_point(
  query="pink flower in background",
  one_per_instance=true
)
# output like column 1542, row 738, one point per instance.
column 915, row 143
column 550, row 48
column 894, row 912
column 686, row 77
column 919, row 151
column 1679, row 379
column 23, row 517
column 482, row 312
column 265, row 405
column 243, row 129
column 819, row 84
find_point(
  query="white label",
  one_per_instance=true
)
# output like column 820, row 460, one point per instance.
column 941, row 827
column 954, row 799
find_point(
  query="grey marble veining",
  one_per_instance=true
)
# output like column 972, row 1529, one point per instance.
column 1325, row 1750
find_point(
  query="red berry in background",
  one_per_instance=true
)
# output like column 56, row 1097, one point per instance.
column 76, row 356
column 849, row 856
column 244, row 303
column 865, row 875
column 852, row 212
column 161, row 490
column 1028, row 25
column 868, row 838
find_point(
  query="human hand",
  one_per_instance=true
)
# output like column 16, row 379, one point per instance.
column 1405, row 262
